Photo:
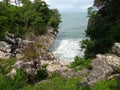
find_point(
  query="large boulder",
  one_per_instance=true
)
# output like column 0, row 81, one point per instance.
column 5, row 50
column 116, row 48
column 47, row 40
column 12, row 46
column 27, row 66
column 62, row 69
column 103, row 66
column 12, row 73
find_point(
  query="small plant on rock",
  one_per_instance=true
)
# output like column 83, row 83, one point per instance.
column 80, row 62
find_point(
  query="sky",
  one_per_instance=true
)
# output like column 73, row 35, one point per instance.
column 70, row 5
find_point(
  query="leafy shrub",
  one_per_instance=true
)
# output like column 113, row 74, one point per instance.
column 81, row 62
column 117, row 69
column 33, row 17
column 6, row 65
column 44, row 66
column 19, row 81
column 103, row 28
column 112, row 84
column 9, row 61
column 56, row 83
column 30, row 51
column 55, row 18
column 41, row 75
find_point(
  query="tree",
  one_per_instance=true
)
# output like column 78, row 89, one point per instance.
column 30, row 17
column 103, row 28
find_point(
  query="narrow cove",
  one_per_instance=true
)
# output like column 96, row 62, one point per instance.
column 71, row 32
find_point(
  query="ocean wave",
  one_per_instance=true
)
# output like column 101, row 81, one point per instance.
column 68, row 49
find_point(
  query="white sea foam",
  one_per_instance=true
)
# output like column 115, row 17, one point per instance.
column 68, row 49
column 71, row 31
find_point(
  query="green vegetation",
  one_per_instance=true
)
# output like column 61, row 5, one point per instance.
column 53, row 82
column 20, row 80
column 9, row 61
column 15, row 83
column 33, row 17
column 41, row 75
column 103, row 27
column 6, row 65
column 36, row 17
column 112, row 84
column 102, row 32
column 56, row 83
column 28, row 52
column 7, row 83
column 80, row 63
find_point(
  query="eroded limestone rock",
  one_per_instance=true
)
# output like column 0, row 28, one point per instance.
column 27, row 66
column 116, row 48
column 103, row 66
column 12, row 73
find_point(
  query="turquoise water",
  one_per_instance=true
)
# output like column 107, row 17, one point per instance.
column 71, row 32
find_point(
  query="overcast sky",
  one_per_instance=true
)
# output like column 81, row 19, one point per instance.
column 70, row 5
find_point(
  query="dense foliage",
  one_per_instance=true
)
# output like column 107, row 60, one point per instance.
column 21, row 79
column 56, row 82
column 111, row 84
column 53, row 82
column 80, row 63
column 33, row 17
column 103, row 28
column 15, row 83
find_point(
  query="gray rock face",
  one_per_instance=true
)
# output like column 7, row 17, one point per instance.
column 5, row 50
column 26, row 66
column 102, row 67
column 47, row 39
column 62, row 69
column 5, row 47
column 68, row 73
column 12, row 46
column 116, row 48
column 12, row 73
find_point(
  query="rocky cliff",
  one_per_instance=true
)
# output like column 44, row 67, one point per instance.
column 46, row 40
column 104, row 67
column 12, row 46
column 24, row 51
column 30, row 52
column 33, row 53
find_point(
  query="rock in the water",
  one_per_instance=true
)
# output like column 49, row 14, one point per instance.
column 102, row 67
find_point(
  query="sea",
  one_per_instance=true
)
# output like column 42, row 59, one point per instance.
column 71, row 32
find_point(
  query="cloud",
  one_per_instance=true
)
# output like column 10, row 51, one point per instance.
column 70, row 5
